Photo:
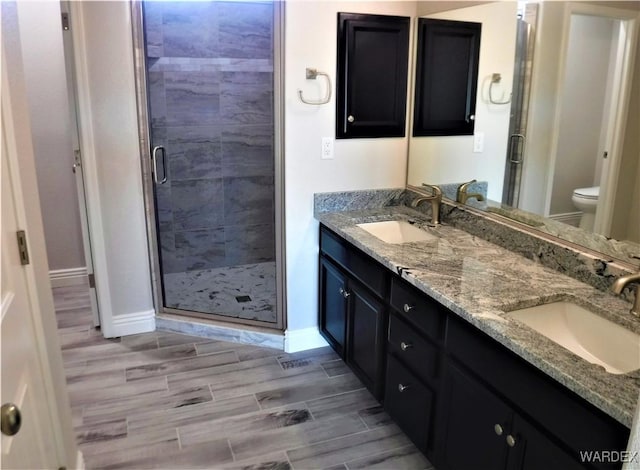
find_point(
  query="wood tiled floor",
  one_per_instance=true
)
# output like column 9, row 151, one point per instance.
column 163, row 400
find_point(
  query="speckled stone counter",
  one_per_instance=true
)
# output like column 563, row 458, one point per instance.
column 480, row 282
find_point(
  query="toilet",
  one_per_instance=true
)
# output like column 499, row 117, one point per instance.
column 586, row 201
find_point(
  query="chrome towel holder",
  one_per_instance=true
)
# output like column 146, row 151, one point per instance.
column 312, row 74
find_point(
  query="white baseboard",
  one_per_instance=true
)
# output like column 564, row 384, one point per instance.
column 132, row 323
column 303, row 339
column 68, row 277
column 80, row 465
column 571, row 218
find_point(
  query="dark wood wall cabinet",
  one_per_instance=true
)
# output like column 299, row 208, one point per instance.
column 446, row 77
column 373, row 53
column 465, row 400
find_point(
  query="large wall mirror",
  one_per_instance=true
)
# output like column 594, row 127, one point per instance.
column 558, row 110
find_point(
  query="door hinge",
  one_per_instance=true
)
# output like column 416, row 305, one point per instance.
column 92, row 281
column 22, row 247
column 65, row 22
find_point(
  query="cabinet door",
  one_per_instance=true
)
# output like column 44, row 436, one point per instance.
column 373, row 52
column 446, row 77
column 333, row 305
column 365, row 351
column 533, row 450
column 472, row 413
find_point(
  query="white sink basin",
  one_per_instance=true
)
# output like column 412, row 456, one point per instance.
column 396, row 231
column 586, row 334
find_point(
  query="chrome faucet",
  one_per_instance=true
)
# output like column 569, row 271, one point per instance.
column 462, row 196
column 621, row 283
column 435, row 199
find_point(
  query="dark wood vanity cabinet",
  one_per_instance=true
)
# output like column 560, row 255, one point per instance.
column 373, row 54
column 464, row 399
column 353, row 308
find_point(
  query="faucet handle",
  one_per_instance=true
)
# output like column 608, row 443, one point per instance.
column 435, row 189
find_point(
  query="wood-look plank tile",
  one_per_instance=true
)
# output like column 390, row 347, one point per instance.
column 245, row 352
column 140, row 342
column 131, row 441
column 375, row 416
column 79, row 379
column 281, row 380
column 402, row 458
column 307, row 390
column 349, row 447
column 101, row 349
column 102, row 431
column 180, row 365
column 194, row 414
column 227, row 376
column 335, row 405
column 174, row 339
column 274, row 461
column 204, row 456
column 253, row 445
column 123, row 457
column 128, row 358
column 81, row 397
column 335, row 368
column 141, row 405
column 198, row 433
column 340, row 466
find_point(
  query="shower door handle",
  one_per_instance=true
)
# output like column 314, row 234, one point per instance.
column 154, row 160
column 516, row 148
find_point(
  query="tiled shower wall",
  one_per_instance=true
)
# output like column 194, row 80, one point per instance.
column 210, row 70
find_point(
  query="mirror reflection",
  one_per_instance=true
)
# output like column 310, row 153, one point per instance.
column 557, row 125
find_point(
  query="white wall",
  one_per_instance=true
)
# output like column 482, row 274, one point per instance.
column 43, row 55
column 450, row 159
column 112, row 164
column 310, row 41
column 583, row 92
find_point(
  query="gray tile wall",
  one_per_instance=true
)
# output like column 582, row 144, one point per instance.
column 210, row 68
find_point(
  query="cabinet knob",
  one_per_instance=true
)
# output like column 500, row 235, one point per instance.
column 341, row 290
column 511, row 441
column 498, row 429
column 346, row 294
column 408, row 307
column 402, row 388
column 404, row 346
column 11, row 419
column 351, row 118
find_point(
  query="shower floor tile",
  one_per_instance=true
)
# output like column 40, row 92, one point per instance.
column 247, row 291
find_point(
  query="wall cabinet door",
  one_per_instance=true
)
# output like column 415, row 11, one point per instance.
column 333, row 305
column 373, row 52
column 446, row 77
column 365, row 351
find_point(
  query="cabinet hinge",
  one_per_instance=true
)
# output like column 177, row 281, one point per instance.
column 92, row 281
column 22, row 247
column 65, row 22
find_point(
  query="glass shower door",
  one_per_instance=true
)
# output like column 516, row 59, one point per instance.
column 210, row 90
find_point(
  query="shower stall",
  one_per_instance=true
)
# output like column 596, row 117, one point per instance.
column 208, row 96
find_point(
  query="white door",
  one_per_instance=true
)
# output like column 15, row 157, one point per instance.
column 33, row 447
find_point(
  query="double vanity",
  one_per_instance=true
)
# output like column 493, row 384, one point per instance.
column 484, row 358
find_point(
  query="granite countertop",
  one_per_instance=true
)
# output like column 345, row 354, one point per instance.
column 480, row 282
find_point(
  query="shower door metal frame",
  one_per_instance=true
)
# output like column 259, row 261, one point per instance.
column 140, row 71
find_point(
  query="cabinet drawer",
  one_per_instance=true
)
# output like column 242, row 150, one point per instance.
column 418, row 309
column 408, row 402
column 417, row 353
column 357, row 263
column 557, row 409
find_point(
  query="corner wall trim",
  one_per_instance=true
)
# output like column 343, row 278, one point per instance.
column 80, row 465
column 303, row 339
column 133, row 323
column 68, row 277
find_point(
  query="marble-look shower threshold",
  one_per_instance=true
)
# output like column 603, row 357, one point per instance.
column 245, row 291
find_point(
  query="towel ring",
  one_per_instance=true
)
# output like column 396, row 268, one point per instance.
column 312, row 74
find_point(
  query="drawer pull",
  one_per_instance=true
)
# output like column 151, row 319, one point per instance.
column 408, row 307
column 498, row 429
column 404, row 346
column 511, row 441
column 344, row 293
column 402, row 388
